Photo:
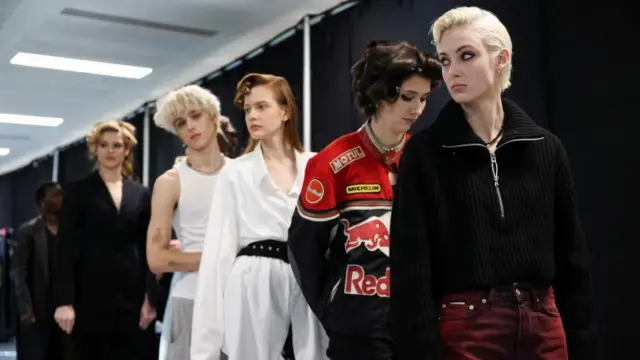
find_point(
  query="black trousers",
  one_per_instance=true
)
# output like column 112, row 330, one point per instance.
column 43, row 341
column 349, row 347
column 133, row 345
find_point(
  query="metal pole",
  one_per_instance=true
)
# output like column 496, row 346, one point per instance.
column 146, row 131
column 56, row 165
column 306, row 84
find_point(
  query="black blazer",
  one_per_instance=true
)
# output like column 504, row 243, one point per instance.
column 101, row 266
column 31, row 269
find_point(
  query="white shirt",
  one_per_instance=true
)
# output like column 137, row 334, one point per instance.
column 247, row 207
column 190, row 220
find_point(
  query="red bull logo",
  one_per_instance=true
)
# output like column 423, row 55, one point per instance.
column 359, row 283
column 372, row 233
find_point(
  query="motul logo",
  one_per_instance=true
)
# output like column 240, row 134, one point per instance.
column 346, row 158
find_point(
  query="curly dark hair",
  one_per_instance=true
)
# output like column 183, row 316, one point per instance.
column 384, row 66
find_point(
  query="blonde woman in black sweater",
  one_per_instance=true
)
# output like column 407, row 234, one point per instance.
column 488, row 260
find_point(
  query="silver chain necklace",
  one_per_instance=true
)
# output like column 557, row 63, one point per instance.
column 215, row 170
column 377, row 142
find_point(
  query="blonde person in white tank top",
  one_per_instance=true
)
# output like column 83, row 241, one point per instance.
column 181, row 198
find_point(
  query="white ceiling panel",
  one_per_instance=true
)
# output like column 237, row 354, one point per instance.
column 182, row 40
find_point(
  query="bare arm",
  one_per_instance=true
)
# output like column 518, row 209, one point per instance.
column 161, row 257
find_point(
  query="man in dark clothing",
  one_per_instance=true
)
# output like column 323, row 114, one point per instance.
column 39, row 338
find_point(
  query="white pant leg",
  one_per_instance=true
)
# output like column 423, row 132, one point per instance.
column 256, row 301
column 166, row 321
column 310, row 341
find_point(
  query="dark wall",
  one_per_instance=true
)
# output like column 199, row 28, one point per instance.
column 6, row 200
column 165, row 147
column 24, row 183
column 138, row 121
column 593, row 111
column 74, row 163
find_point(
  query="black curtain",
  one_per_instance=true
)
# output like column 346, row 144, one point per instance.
column 74, row 163
column 6, row 200
column 24, row 183
column 164, row 147
column 137, row 120
column 593, row 112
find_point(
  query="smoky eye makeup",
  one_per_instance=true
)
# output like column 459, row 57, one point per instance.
column 467, row 55
column 406, row 97
column 410, row 97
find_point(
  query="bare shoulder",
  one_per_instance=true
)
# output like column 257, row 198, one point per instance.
column 167, row 183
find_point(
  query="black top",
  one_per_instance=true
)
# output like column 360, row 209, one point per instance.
column 31, row 270
column 463, row 220
column 51, row 248
column 101, row 255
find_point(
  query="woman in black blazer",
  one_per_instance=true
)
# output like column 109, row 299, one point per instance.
column 103, row 289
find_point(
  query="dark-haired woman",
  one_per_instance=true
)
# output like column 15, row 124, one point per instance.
column 101, row 267
column 344, row 209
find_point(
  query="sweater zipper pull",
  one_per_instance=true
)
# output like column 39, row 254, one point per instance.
column 496, row 182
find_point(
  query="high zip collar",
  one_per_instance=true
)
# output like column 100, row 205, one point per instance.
column 455, row 130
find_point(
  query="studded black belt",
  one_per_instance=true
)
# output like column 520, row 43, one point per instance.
column 274, row 249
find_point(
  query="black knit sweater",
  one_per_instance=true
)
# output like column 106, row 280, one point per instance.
column 457, row 226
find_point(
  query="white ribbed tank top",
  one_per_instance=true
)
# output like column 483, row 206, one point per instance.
column 190, row 220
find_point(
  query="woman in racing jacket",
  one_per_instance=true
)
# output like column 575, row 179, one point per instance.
column 344, row 208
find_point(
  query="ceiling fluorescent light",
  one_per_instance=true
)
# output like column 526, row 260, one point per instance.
column 30, row 120
column 78, row 65
column 4, row 151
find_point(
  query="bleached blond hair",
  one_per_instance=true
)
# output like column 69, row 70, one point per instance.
column 179, row 102
column 493, row 32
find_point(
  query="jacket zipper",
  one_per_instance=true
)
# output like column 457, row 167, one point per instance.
column 494, row 166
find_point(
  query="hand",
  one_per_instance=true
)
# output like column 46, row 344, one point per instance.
column 147, row 314
column 28, row 318
column 65, row 317
column 174, row 245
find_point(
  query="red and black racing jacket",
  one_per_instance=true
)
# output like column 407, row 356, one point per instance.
column 339, row 234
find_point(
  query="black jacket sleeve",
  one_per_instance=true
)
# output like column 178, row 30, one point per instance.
column 413, row 315
column 21, row 264
column 64, row 286
column 572, row 284
column 310, row 232
column 152, row 287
